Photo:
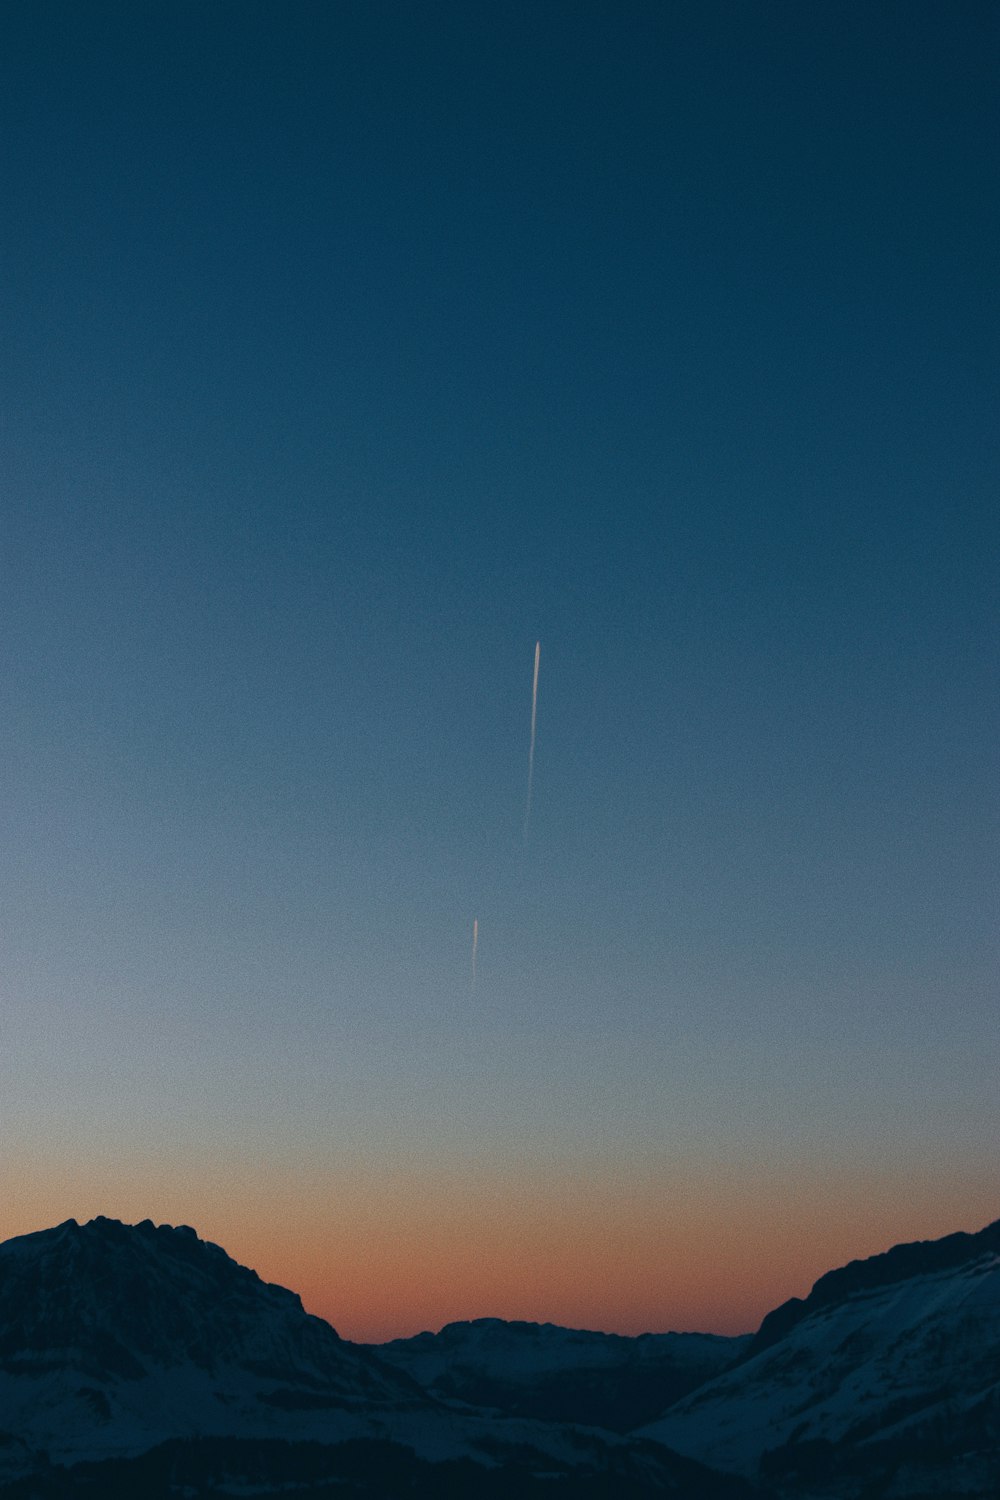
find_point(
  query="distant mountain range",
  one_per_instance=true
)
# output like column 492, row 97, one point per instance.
column 562, row 1374
column 141, row 1362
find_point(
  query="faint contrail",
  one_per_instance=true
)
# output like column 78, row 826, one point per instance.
column 475, row 945
column 531, row 751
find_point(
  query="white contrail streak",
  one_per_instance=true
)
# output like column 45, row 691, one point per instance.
column 531, row 750
column 475, row 945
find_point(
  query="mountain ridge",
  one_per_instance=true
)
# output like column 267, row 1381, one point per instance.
column 884, row 1381
column 898, row 1263
column 119, row 1342
column 545, row 1371
column 134, row 1354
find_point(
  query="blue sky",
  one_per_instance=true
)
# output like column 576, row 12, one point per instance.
column 350, row 349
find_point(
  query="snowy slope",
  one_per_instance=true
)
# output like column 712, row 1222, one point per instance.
column 113, row 1338
column 888, row 1373
column 562, row 1374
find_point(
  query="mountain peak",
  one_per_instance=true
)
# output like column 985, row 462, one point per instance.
column 127, row 1298
column 900, row 1263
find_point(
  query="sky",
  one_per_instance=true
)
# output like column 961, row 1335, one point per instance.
column 351, row 349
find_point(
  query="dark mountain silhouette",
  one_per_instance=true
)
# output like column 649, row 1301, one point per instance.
column 141, row 1361
column 562, row 1374
column 119, row 1302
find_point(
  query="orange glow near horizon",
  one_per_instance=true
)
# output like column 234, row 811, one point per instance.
column 387, row 1252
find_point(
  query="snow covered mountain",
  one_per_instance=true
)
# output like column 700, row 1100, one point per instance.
column 562, row 1374
column 141, row 1360
column 884, row 1381
column 115, row 1337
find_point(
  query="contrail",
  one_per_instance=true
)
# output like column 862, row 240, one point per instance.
column 531, row 751
column 475, row 945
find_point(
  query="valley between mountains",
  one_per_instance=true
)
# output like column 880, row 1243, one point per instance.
column 139, row 1360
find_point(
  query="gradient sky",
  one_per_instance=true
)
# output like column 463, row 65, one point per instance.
column 350, row 348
